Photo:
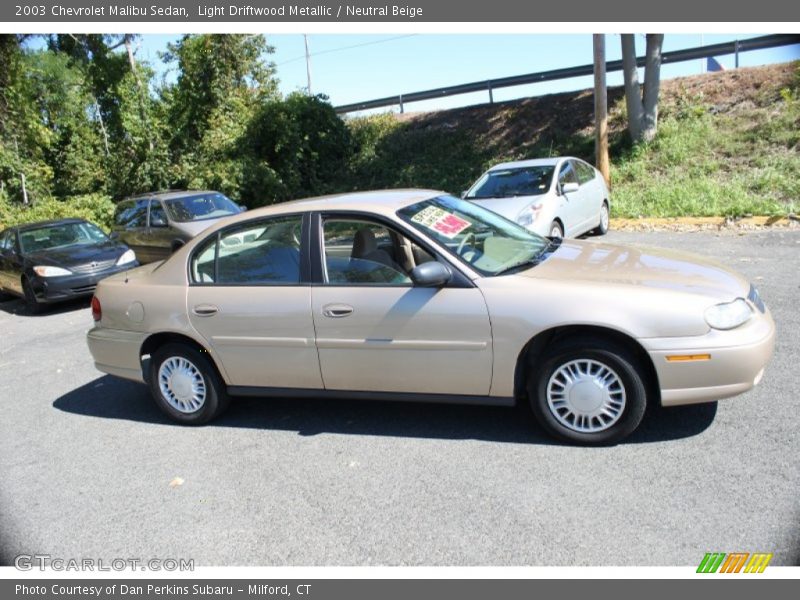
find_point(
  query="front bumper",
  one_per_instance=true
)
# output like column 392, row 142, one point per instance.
column 59, row 289
column 735, row 363
column 117, row 352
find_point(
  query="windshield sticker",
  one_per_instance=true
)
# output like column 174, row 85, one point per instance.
column 441, row 221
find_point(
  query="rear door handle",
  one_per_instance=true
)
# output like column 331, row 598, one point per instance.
column 205, row 310
column 337, row 311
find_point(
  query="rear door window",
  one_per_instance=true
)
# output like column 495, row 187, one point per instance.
column 584, row 171
column 263, row 252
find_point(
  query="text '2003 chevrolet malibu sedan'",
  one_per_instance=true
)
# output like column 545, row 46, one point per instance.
column 416, row 295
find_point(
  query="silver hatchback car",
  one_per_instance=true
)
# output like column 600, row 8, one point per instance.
column 555, row 197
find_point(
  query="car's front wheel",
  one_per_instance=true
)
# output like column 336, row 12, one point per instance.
column 588, row 391
column 31, row 303
column 185, row 385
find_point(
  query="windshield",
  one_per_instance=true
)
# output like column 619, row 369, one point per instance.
column 60, row 236
column 483, row 240
column 505, row 183
column 200, row 207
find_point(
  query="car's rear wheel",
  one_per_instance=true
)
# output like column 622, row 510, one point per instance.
column 31, row 303
column 185, row 385
column 588, row 391
column 605, row 220
column 556, row 230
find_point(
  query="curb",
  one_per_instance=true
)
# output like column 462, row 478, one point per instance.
column 704, row 223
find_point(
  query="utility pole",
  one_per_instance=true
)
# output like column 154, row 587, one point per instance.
column 22, row 176
column 308, row 63
column 600, row 106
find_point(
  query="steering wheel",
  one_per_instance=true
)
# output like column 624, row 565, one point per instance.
column 463, row 243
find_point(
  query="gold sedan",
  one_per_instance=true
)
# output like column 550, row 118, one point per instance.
column 416, row 295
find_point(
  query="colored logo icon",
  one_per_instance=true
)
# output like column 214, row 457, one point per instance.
column 735, row 562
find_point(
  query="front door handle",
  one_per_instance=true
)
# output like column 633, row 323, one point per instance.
column 337, row 311
column 205, row 310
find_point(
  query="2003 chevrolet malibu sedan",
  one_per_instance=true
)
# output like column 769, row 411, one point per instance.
column 416, row 295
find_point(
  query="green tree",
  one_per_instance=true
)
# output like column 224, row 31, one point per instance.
column 222, row 81
column 295, row 147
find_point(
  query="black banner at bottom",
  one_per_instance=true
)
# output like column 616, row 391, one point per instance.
column 392, row 589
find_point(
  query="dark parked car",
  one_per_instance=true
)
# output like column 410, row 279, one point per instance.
column 51, row 261
column 155, row 225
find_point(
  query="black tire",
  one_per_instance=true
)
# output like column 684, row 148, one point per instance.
column 605, row 220
column 628, row 376
column 31, row 303
column 556, row 226
column 215, row 399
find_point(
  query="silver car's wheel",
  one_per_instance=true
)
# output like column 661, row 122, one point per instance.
column 586, row 396
column 185, row 384
column 605, row 220
column 182, row 385
column 556, row 231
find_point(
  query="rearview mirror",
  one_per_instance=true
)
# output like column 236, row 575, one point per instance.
column 431, row 274
column 569, row 188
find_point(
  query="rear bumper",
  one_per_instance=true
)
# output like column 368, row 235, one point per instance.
column 58, row 289
column 736, row 362
column 117, row 352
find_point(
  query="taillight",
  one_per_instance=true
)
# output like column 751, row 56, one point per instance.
column 97, row 312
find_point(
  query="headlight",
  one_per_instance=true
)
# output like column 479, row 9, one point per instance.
column 525, row 218
column 728, row 315
column 529, row 215
column 128, row 257
column 44, row 271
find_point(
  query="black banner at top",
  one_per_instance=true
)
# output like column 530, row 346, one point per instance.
column 354, row 11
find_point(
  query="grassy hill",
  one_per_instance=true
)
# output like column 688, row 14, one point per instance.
column 728, row 144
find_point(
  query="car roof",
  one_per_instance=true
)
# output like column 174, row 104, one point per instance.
column 379, row 202
column 39, row 224
column 533, row 162
column 170, row 195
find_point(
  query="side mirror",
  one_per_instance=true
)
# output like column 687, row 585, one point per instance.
column 242, row 208
column 430, row 274
column 569, row 188
column 158, row 222
column 464, row 194
column 114, row 235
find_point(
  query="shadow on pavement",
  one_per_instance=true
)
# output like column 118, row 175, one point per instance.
column 112, row 398
column 16, row 306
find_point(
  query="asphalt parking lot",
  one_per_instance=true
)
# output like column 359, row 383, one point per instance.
column 86, row 463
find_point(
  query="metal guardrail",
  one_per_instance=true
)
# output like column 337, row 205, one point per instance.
column 674, row 56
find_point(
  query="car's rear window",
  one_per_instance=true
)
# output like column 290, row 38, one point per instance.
column 200, row 207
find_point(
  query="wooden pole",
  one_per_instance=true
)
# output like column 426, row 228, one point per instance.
column 600, row 106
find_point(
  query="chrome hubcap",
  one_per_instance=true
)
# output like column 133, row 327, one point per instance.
column 182, row 385
column 555, row 232
column 586, row 396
